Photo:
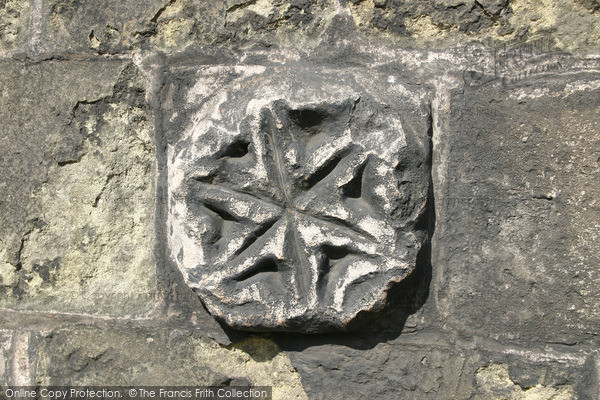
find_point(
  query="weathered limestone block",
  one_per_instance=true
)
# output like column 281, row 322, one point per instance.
column 106, row 26
column 494, row 383
column 518, row 227
column 14, row 23
column 297, row 24
column 5, row 356
column 296, row 193
column 114, row 26
column 240, row 24
column 400, row 16
column 77, row 189
column 428, row 368
column 570, row 25
column 87, row 355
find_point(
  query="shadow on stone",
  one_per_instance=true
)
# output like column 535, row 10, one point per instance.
column 370, row 328
column 404, row 299
column 366, row 330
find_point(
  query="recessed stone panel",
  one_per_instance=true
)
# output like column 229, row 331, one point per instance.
column 295, row 193
column 517, row 229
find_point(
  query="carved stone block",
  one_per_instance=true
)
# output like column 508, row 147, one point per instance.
column 296, row 194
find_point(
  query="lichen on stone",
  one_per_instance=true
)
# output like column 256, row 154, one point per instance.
column 85, row 239
column 14, row 20
column 494, row 383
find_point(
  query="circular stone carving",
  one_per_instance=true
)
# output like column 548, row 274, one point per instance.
column 294, row 195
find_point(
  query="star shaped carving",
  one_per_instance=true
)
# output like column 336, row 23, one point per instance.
column 298, row 209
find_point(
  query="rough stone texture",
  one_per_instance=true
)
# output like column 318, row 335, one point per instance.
column 296, row 194
column 108, row 26
column 115, row 26
column 519, row 226
column 242, row 24
column 87, row 355
column 494, row 383
column 570, row 25
column 400, row 17
column 77, row 189
column 172, row 25
column 506, row 309
column 14, row 23
column 5, row 356
column 426, row 367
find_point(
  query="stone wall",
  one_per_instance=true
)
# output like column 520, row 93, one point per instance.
column 504, row 301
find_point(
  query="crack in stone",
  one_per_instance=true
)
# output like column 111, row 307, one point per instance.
column 241, row 5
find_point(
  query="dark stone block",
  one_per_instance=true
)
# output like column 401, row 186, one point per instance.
column 517, row 232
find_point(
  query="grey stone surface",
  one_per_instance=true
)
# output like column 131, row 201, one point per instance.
column 508, row 307
column 437, row 24
column 77, row 189
column 396, row 15
column 14, row 24
column 117, row 26
column 110, row 26
column 5, row 356
column 296, row 193
column 518, row 226
column 106, row 26
column 242, row 24
column 428, row 366
column 124, row 355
